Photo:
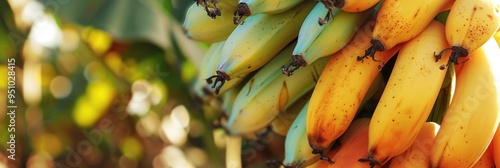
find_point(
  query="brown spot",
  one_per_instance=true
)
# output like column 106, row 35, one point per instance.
column 489, row 16
column 414, row 16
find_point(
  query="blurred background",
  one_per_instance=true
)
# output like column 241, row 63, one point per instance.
column 107, row 84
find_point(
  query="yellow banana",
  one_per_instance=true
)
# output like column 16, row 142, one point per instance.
column 284, row 120
column 496, row 147
column 401, row 20
column 198, row 27
column 269, row 93
column 347, row 138
column 340, row 90
column 350, row 5
column 325, row 41
column 254, row 43
column 473, row 116
column 470, row 24
column 297, row 150
column 408, row 97
column 254, row 7
column 497, row 37
column 486, row 160
column 352, row 147
column 417, row 156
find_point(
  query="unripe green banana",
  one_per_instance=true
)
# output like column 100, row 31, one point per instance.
column 330, row 39
column 297, row 150
column 253, row 44
column 269, row 93
column 210, row 60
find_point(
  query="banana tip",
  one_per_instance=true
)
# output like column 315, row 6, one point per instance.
column 371, row 161
column 297, row 62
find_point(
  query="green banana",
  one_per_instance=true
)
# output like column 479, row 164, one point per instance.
column 212, row 57
column 444, row 97
column 297, row 150
column 254, row 7
column 269, row 93
column 333, row 37
column 251, row 45
column 198, row 27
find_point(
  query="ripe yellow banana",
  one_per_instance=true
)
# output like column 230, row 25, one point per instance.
column 418, row 155
column 486, row 160
column 496, row 147
column 347, row 138
column 473, row 116
column 324, row 41
column 470, row 24
column 350, row 5
column 297, row 150
column 251, row 45
column 269, row 92
column 497, row 37
column 401, row 20
column 340, row 90
column 254, row 7
column 409, row 95
column 352, row 147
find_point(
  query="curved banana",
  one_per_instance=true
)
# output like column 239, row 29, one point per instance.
column 325, row 41
column 401, row 20
column 496, row 147
column 284, row 120
column 470, row 24
column 297, row 151
column 352, row 147
column 269, row 93
column 417, row 156
column 486, row 160
column 473, row 116
column 254, row 7
column 408, row 97
column 256, row 42
column 210, row 61
column 200, row 28
column 345, row 142
column 350, row 5
column 340, row 90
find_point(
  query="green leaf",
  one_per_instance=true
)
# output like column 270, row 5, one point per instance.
column 133, row 20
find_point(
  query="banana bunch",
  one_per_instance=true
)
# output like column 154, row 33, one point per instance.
column 354, row 83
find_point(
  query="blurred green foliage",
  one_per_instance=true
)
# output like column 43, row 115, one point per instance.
column 103, row 95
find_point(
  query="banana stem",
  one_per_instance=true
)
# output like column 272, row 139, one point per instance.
column 233, row 152
column 370, row 159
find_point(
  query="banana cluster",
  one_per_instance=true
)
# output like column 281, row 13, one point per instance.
column 355, row 83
